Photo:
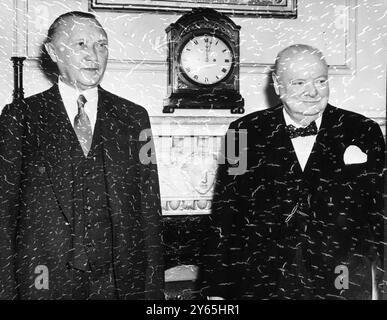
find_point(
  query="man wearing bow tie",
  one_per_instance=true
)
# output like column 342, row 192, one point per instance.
column 79, row 208
column 306, row 219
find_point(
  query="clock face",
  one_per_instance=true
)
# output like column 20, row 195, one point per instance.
column 206, row 59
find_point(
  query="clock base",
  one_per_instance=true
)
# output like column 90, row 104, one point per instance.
column 221, row 100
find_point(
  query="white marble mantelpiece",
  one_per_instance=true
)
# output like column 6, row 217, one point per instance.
column 187, row 150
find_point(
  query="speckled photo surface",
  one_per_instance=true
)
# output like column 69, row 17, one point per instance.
column 192, row 150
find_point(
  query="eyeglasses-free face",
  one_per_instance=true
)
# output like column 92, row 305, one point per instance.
column 302, row 84
column 80, row 49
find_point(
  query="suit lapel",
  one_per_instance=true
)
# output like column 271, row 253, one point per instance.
column 117, row 149
column 58, row 140
column 281, row 147
column 324, row 145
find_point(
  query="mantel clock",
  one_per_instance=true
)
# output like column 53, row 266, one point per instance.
column 203, row 62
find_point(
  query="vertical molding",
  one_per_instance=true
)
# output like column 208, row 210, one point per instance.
column 19, row 43
column 351, row 40
column 14, row 33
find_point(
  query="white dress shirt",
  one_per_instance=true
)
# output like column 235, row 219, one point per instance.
column 302, row 145
column 70, row 96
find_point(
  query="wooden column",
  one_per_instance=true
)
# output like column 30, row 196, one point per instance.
column 18, row 92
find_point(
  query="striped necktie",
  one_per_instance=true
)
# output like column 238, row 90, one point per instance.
column 82, row 126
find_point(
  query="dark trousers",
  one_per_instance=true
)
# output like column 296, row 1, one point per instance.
column 94, row 284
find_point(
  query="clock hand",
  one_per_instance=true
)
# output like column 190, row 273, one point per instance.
column 207, row 51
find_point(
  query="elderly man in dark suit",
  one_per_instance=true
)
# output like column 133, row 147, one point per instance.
column 305, row 221
column 80, row 208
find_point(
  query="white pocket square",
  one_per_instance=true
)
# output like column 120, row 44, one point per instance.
column 353, row 154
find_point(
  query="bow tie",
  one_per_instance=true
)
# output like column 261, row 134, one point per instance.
column 294, row 132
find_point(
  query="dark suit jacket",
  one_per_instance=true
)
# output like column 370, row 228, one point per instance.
column 37, row 203
column 251, row 250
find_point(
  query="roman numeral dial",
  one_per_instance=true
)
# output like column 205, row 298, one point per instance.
column 206, row 59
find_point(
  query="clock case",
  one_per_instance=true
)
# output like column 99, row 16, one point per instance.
column 184, row 93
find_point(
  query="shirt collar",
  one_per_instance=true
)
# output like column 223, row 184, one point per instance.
column 289, row 120
column 68, row 92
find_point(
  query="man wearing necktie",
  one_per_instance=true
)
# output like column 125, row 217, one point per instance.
column 80, row 210
column 305, row 221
